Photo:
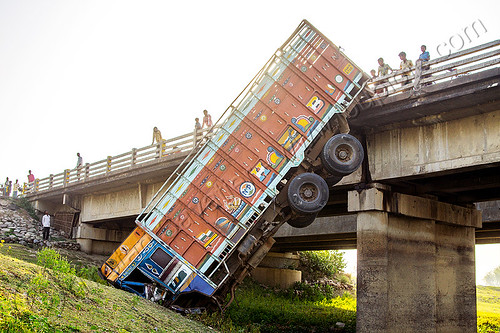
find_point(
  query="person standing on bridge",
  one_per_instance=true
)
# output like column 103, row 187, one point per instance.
column 15, row 189
column 197, row 128
column 207, row 119
column 383, row 70
column 46, row 226
column 405, row 65
column 423, row 58
column 31, row 181
column 6, row 187
column 156, row 135
column 79, row 163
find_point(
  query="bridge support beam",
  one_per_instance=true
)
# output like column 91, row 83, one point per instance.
column 98, row 241
column 415, row 263
column 277, row 270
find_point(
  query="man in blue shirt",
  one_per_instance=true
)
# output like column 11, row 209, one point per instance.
column 424, row 57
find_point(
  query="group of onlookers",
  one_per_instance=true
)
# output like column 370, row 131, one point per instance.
column 15, row 188
column 207, row 122
column 405, row 66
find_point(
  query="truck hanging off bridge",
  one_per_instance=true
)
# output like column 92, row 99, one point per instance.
column 283, row 143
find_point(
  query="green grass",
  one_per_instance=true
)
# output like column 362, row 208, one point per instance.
column 34, row 298
column 488, row 309
column 259, row 309
column 51, row 298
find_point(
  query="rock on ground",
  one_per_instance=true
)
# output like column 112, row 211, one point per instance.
column 17, row 226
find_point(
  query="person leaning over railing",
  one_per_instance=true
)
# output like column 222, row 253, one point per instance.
column 424, row 57
column 405, row 65
column 156, row 135
column 383, row 70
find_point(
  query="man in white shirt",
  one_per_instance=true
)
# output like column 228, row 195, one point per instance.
column 46, row 225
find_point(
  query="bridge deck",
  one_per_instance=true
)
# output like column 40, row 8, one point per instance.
column 460, row 86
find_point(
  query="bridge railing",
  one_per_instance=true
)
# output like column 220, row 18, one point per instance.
column 423, row 74
column 170, row 149
column 441, row 69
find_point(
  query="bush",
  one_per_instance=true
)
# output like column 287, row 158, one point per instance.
column 318, row 264
column 52, row 259
column 315, row 292
column 27, row 206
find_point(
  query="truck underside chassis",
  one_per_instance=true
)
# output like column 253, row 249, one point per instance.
column 303, row 193
column 308, row 67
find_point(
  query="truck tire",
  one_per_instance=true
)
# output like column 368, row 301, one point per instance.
column 307, row 193
column 342, row 155
column 302, row 221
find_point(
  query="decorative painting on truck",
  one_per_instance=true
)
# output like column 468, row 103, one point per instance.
column 188, row 231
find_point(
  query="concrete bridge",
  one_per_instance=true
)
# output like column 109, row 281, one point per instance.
column 413, row 210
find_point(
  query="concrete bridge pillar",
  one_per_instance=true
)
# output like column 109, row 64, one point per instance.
column 416, row 264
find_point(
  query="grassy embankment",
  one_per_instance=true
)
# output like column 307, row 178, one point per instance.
column 34, row 298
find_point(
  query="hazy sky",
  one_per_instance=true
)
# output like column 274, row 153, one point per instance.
column 95, row 76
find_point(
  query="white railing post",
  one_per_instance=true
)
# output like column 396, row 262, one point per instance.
column 108, row 164
column 161, row 147
column 157, row 150
column 51, row 180
column 66, row 177
column 195, row 137
column 87, row 170
column 133, row 157
column 418, row 75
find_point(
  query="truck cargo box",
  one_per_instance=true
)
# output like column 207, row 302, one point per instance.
column 263, row 164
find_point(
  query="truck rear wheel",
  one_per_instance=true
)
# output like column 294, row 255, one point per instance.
column 302, row 221
column 308, row 193
column 342, row 155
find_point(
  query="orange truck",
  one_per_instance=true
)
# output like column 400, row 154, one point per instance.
column 279, row 148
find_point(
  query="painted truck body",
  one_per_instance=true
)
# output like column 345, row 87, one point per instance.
column 212, row 223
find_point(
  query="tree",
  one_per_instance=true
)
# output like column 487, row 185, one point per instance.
column 493, row 277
